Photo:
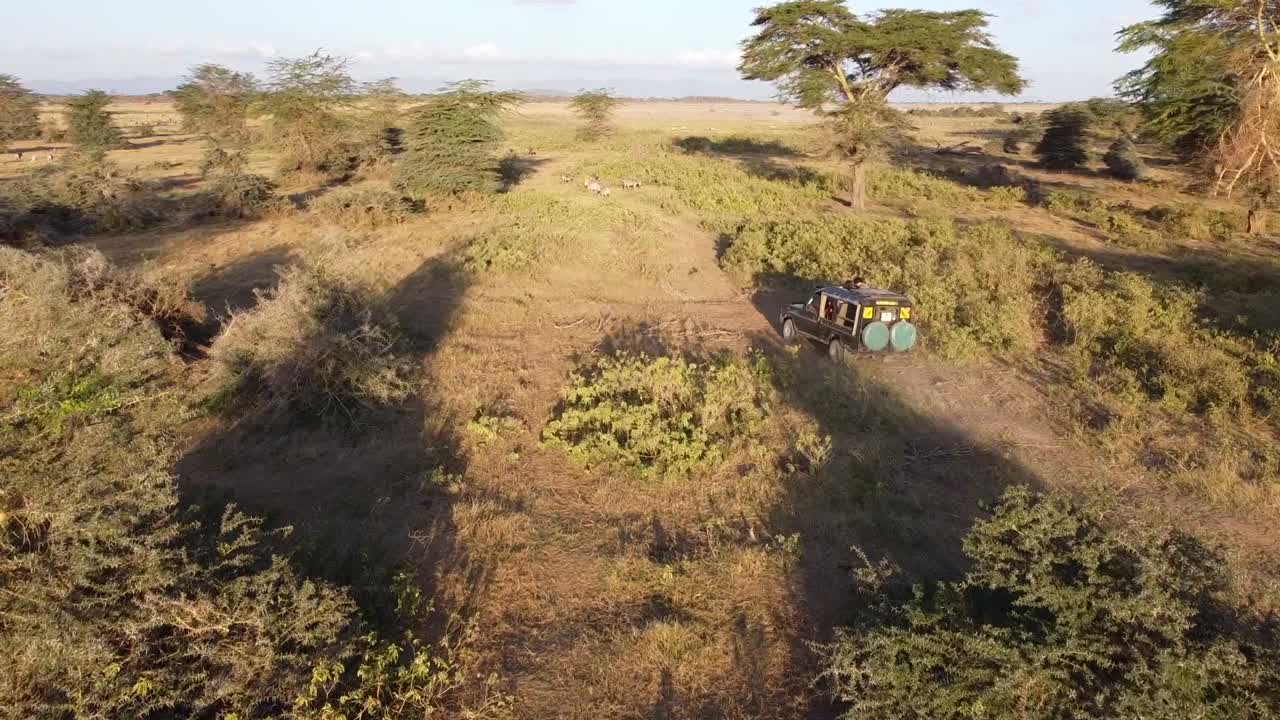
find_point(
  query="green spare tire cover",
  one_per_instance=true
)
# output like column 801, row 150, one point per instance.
column 903, row 336
column 875, row 336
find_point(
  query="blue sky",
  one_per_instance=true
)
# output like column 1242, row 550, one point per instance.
column 639, row 47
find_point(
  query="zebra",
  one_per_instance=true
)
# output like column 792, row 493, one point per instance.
column 630, row 184
column 566, row 179
column 595, row 186
column 605, row 192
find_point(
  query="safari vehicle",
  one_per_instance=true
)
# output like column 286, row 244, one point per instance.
column 852, row 320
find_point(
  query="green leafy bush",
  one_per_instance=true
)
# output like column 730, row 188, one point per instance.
column 1065, row 138
column 975, row 287
column 1121, row 223
column 90, row 126
column 718, row 190
column 664, row 417
column 1059, row 617
column 313, row 347
column 1196, row 221
column 115, row 601
column 242, row 195
column 1144, row 341
column 83, row 194
column 363, row 208
column 910, row 186
column 1123, row 160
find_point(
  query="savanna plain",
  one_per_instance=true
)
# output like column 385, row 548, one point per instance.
column 310, row 448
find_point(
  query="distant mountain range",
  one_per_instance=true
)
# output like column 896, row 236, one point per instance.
column 136, row 86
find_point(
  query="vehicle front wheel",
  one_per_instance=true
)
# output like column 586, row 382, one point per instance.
column 789, row 331
column 836, row 350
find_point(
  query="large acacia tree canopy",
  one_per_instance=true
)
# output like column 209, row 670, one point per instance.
column 819, row 51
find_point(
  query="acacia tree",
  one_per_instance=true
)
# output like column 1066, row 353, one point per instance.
column 305, row 100
column 825, row 58
column 595, row 108
column 1212, row 90
column 19, row 111
column 90, row 126
column 381, row 120
column 453, row 140
column 214, row 101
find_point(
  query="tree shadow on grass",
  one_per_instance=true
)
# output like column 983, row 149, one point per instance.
column 231, row 288
column 514, row 169
column 366, row 501
column 767, row 159
column 734, row 145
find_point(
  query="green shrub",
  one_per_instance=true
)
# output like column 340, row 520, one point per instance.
column 312, row 348
column 1143, row 341
column 975, row 288
column 217, row 160
column 1196, row 221
column 1123, row 160
column 910, row 186
column 663, row 417
column 531, row 228
column 719, row 190
column 90, row 126
column 1065, row 137
column 363, row 208
column 116, row 603
column 1120, row 223
column 1059, row 617
column 242, row 195
column 82, row 194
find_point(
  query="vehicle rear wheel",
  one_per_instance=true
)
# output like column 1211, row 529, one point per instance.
column 789, row 331
column 836, row 350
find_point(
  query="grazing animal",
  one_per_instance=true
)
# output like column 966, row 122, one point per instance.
column 595, row 186
column 592, row 179
column 566, row 179
column 605, row 192
column 18, row 155
column 630, row 184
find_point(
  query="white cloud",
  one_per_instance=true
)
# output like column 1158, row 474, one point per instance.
column 710, row 58
column 266, row 50
column 483, row 51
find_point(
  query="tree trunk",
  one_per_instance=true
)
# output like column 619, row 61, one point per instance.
column 1257, row 221
column 858, row 188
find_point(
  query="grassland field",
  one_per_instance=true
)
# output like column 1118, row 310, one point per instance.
column 1114, row 340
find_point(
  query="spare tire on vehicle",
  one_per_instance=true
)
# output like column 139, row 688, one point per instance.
column 875, row 336
column 902, row 336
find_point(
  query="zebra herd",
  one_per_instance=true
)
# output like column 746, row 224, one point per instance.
column 594, row 185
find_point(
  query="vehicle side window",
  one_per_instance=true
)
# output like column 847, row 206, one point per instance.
column 814, row 302
column 833, row 306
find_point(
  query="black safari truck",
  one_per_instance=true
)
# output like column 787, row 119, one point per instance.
column 852, row 319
